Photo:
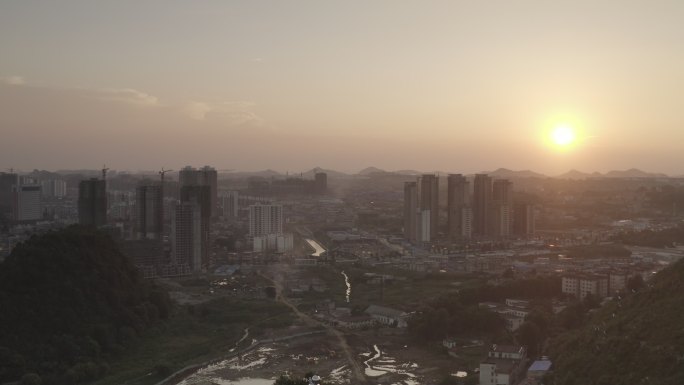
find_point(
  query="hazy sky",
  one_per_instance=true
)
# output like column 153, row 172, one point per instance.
column 288, row 85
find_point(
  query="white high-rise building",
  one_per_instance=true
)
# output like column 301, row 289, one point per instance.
column 54, row 188
column 278, row 242
column 266, row 228
column 265, row 219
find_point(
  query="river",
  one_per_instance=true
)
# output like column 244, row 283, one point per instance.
column 379, row 364
column 244, row 336
column 318, row 249
column 346, row 282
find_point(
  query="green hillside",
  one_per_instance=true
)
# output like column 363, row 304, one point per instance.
column 69, row 300
column 638, row 339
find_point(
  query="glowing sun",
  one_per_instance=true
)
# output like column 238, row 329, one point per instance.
column 563, row 135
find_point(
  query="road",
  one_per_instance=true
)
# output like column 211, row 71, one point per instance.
column 357, row 372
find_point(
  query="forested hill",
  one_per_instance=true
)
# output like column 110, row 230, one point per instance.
column 636, row 340
column 69, row 300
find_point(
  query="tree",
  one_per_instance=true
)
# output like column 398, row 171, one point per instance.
column 531, row 336
column 591, row 301
column 30, row 379
column 572, row 316
column 270, row 292
column 68, row 299
column 635, row 283
column 163, row 369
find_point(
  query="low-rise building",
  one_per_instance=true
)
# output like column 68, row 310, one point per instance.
column 513, row 312
column 388, row 316
column 617, row 281
column 513, row 323
column 355, row 322
column 504, row 365
column 582, row 285
column 539, row 369
column 513, row 352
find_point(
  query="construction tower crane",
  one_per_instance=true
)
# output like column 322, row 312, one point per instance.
column 162, row 173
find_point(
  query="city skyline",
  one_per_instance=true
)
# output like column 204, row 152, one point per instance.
column 345, row 86
column 341, row 192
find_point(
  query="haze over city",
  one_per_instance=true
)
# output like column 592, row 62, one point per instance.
column 451, row 86
column 303, row 192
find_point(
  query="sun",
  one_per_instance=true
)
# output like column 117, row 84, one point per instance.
column 563, row 135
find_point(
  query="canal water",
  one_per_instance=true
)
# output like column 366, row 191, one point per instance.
column 318, row 249
column 346, row 282
column 379, row 364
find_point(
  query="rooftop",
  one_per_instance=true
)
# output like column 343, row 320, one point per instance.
column 502, row 365
column 384, row 311
column 540, row 366
column 507, row 348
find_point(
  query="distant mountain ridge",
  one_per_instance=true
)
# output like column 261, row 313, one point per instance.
column 506, row 173
column 631, row 173
column 371, row 170
column 501, row 172
column 575, row 174
column 331, row 173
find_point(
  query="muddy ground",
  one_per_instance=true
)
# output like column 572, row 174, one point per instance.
column 393, row 362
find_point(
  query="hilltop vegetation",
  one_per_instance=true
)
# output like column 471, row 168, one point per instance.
column 458, row 314
column 638, row 339
column 650, row 238
column 70, row 300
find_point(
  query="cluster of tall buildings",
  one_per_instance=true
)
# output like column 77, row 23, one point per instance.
column 21, row 197
column 486, row 211
column 191, row 215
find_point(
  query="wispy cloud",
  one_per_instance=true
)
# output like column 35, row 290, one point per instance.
column 233, row 112
column 12, row 80
column 196, row 110
column 128, row 95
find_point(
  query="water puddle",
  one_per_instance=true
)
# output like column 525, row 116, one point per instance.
column 379, row 364
column 242, row 381
column 338, row 375
column 250, row 360
column 241, row 339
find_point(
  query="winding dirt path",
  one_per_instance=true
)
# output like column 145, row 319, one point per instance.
column 357, row 371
